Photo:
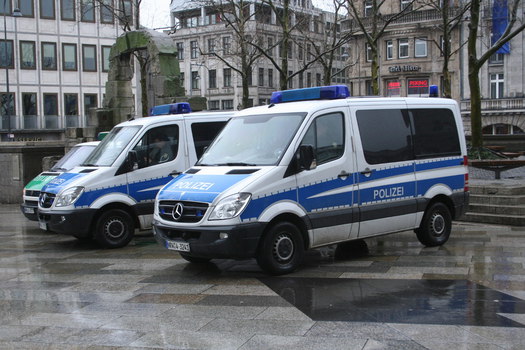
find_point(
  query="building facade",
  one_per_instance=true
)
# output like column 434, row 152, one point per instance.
column 55, row 61
column 201, row 31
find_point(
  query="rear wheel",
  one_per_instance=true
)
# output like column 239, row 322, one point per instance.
column 281, row 249
column 114, row 228
column 436, row 225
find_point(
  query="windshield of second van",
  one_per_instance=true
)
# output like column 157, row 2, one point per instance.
column 253, row 140
column 111, row 146
column 73, row 158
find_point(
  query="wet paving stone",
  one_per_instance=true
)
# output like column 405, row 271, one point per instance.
column 59, row 293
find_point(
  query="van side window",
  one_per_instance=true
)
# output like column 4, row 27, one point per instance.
column 204, row 134
column 385, row 135
column 435, row 133
column 326, row 134
column 158, row 145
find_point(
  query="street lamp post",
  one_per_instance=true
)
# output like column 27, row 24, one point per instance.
column 16, row 13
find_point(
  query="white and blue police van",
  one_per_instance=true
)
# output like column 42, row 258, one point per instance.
column 112, row 193
column 317, row 168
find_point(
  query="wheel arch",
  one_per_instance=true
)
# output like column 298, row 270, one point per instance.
column 114, row 205
column 294, row 219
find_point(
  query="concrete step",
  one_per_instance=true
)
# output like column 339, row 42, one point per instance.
column 496, row 219
column 497, row 190
column 497, row 200
column 513, row 210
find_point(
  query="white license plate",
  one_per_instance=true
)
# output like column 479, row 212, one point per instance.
column 179, row 246
column 29, row 210
column 42, row 225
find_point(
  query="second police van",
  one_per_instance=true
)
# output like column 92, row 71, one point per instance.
column 112, row 193
column 294, row 175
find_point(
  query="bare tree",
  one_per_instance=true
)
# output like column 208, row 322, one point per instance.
column 452, row 14
column 373, row 25
column 241, row 56
column 475, row 63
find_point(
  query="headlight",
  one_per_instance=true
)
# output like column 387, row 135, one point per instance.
column 69, row 196
column 230, row 206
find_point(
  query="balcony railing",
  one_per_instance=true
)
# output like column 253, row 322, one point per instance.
column 34, row 122
column 499, row 104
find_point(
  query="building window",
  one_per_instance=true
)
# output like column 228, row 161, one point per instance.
column 406, row 4
column 318, row 80
column 417, row 87
column 496, row 85
column 180, row 51
column 71, row 104
column 106, row 54
column 393, row 88
column 496, row 59
column 270, row 47
column 227, row 105
column 106, row 11
column 7, row 104
column 290, row 79
column 270, row 77
column 90, row 101
column 368, row 8
column 27, row 55
column 211, row 45
column 194, row 53
column 301, row 80
column 89, row 58
column 69, row 57
column 308, row 79
column 181, row 79
column 214, row 105
column 195, row 80
column 67, row 10
column 87, row 11
column 7, row 8
column 212, row 79
column 49, row 56
column 389, row 50
column 402, row 48
column 6, row 54
column 29, row 104
column 369, row 88
column 127, row 8
column 226, row 45
column 261, row 76
column 47, row 9
column 227, row 72
column 27, row 8
column 420, row 47
column 50, row 104
column 368, row 49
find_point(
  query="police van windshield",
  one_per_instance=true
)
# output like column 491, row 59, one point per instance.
column 73, row 158
column 253, row 140
column 111, row 146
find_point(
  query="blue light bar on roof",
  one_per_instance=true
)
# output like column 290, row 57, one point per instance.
column 315, row 93
column 433, row 91
column 172, row 108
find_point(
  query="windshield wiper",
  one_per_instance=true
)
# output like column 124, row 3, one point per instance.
column 58, row 169
column 236, row 164
column 88, row 164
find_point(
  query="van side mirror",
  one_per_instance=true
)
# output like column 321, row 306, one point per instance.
column 306, row 156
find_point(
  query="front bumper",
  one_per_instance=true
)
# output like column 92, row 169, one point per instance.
column 70, row 222
column 242, row 241
column 30, row 210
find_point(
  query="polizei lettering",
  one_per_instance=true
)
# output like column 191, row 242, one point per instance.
column 190, row 185
column 391, row 192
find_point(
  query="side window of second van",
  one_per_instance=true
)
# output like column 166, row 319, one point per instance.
column 326, row 135
column 158, row 145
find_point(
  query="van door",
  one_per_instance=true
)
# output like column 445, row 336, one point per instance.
column 159, row 153
column 385, row 165
column 327, row 192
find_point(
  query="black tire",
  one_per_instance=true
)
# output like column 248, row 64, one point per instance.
column 281, row 250
column 436, row 225
column 194, row 259
column 114, row 229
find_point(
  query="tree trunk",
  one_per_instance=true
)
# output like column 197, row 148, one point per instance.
column 475, row 109
column 375, row 71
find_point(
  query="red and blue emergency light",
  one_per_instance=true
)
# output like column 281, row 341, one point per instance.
column 332, row 92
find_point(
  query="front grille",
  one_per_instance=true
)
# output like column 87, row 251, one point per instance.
column 30, row 193
column 31, row 203
column 182, row 211
column 46, row 199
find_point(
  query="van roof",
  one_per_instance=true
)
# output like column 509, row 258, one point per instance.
column 164, row 118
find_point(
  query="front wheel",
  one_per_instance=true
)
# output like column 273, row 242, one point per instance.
column 114, row 229
column 436, row 225
column 281, row 249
